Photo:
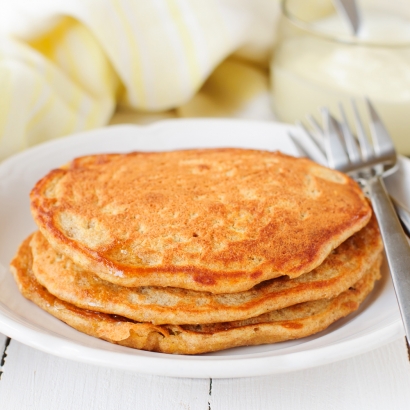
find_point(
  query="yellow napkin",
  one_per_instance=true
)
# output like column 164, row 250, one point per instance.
column 67, row 66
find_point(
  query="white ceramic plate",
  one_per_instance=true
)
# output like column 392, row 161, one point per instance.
column 376, row 323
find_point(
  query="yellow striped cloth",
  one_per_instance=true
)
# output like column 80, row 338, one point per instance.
column 71, row 65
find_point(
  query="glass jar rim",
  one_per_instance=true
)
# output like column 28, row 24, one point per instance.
column 346, row 39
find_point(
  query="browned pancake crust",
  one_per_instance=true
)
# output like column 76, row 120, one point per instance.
column 217, row 220
column 340, row 270
column 290, row 323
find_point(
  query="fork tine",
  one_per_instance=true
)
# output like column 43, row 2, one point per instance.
column 314, row 136
column 315, row 125
column 336, row 153
column 365, row 147
column 383, row 145
column 308, row 148
column 350, row 141
column 316, row 147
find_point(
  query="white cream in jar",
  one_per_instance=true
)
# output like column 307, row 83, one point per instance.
column 314, row 70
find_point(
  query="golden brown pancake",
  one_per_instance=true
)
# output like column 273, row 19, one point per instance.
column 340, row 270
column 217, row 220
column 290, row 323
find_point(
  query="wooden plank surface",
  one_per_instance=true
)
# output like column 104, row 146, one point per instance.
column 377, row 380
column 35, row 380
column 3, row 343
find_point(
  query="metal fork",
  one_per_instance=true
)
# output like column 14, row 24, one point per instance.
column 368, row 163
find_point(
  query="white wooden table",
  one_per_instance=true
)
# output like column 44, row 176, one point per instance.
column 30, row 379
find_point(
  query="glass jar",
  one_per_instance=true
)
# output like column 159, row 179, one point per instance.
column 318, row 63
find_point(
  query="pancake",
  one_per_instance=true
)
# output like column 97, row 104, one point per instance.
column 290, row 323
column 340, row 270
column 216, row 220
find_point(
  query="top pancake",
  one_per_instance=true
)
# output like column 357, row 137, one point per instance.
column 218, row 220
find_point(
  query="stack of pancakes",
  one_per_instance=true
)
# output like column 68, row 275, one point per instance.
column 199, row 250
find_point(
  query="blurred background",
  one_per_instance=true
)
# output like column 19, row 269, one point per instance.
column 73, row 65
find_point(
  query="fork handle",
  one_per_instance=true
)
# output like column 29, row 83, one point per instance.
column 396, row 246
